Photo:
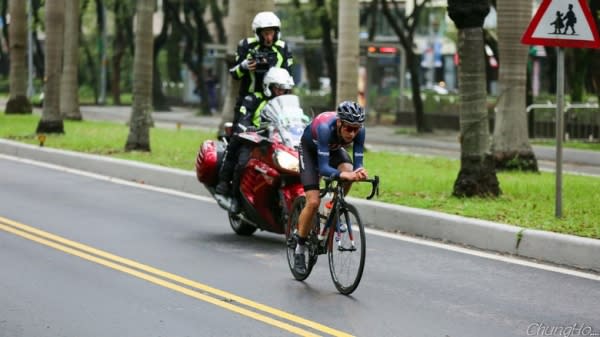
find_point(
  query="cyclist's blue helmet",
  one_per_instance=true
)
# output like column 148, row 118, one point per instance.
column 351, row 112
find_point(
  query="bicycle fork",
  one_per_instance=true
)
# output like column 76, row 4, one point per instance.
column 342, row 228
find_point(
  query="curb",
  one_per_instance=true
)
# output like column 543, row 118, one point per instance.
column 551, row 247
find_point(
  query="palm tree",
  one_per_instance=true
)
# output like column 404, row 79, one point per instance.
column 69, row 85
column 141, row 114
column 18, row 101
column 51, row 121
column 477, row 176
column 348, row 51
column 510, row 146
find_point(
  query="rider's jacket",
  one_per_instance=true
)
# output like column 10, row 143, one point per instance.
column 321, row 137
column 280, row 56
column 249, row 112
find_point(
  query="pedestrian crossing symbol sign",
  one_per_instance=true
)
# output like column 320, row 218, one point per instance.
column 563, row 23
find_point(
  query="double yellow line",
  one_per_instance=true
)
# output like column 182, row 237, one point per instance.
column 220, row 298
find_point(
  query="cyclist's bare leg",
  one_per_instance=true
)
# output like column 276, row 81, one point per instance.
column 308, row 212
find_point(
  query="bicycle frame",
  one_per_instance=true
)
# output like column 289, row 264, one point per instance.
column 337, row 187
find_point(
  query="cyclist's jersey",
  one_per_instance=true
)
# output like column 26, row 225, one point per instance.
column 321, row 137
column 281, row 57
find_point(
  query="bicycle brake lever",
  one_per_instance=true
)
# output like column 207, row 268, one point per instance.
column 375, row 187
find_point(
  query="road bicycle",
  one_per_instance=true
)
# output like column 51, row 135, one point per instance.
column 339, row 234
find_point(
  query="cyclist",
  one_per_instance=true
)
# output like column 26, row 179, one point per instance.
column 255, row 55
column 322, row 153
column 277, row 82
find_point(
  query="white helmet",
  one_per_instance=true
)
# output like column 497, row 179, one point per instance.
column 279, row 77
column 264, row 20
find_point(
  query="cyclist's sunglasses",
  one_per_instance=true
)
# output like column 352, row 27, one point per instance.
column 351, row 128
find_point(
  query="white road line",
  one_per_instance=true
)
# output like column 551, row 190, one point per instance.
column 109, row 179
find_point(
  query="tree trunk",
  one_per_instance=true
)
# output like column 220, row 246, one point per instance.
column 348, row 51
column 38, row 50
column 197, row 10
column 18, row 101
column 404, row 29
column 328, row 50
column 415, row 84
column 123, row 23
column 595, row 63
column 217, row 18
column 510, row 147
column 69, row 100
column 141, row 118
column 159, row 100
column 477, row 176
column 51, row 121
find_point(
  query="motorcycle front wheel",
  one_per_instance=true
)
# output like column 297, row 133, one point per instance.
column 239, row 226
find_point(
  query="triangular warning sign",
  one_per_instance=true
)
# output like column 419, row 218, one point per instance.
column 563, row 23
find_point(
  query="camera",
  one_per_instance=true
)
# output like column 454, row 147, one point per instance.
column 263, row 59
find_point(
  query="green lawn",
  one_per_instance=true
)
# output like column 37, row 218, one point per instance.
column 415, row 181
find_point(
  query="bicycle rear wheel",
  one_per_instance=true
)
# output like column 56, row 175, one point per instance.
column 347, row 251
column 291, row 229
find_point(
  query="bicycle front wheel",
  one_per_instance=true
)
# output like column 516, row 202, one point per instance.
column 347, row 251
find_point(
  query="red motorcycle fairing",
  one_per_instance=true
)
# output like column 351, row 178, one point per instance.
column 258, row 187
column 208, row 162
column 266, row 194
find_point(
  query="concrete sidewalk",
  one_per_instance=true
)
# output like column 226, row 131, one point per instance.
column 545, row 246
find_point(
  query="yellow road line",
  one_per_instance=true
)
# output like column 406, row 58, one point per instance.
column 81, row 250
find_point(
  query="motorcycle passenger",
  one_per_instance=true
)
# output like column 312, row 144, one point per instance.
column 277, row 82
column 322, row 153
column 255, row 55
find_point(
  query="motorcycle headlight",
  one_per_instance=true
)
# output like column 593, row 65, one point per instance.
column 287, row 161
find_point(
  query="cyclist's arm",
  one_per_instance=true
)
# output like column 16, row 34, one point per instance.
column 323, row 135
column 358, row 149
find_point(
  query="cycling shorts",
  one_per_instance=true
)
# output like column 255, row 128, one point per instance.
column 309, row 165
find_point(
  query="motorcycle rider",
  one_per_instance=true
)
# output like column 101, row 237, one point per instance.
column 277, row 82
column 255, row 55
column 322, row 153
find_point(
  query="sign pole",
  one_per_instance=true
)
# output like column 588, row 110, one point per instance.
column 560, row 101
column 568, row 24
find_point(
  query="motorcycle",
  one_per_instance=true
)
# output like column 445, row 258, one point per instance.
column 270, row 181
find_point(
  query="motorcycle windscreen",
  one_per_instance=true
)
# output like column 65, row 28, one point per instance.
column 285, row 114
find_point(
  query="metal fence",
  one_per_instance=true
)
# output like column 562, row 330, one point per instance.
column 582, row 120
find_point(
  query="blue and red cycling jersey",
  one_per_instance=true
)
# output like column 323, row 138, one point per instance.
column 321, row 137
